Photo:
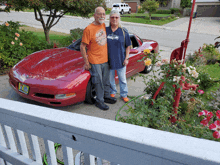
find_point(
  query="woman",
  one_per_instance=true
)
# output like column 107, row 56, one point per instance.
column 118, row 42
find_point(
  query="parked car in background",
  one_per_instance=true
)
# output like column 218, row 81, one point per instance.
column 122, row 8
column 57, row 77
column 2, row 6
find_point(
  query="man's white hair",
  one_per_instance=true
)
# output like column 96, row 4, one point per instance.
column 98, row 8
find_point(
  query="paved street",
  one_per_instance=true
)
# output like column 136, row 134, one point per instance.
column 168, row 36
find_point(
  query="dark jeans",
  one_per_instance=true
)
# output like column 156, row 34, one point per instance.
column 100, row 78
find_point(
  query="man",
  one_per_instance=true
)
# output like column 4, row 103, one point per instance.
column 94, row 38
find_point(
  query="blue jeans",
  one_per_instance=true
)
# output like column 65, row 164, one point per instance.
column 100, row 79
column 122, row 81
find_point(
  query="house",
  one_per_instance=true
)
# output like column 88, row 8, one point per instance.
column 170, row 4
column 207, row 8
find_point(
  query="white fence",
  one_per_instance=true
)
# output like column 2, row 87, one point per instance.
column 122, row 143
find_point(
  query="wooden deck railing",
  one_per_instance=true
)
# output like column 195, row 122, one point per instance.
column 27, row 129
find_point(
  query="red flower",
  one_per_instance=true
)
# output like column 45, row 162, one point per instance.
column 205, row 122
column 200, row 55
column 204, row 112
column 218, row 114
column 215, row 127
column 216, row 135
column 200, row 91
column 208, row 115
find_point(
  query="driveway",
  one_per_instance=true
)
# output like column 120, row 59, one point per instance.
column 169, row 37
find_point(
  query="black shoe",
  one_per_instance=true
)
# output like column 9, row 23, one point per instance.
column 110, row 100
column 101, row 106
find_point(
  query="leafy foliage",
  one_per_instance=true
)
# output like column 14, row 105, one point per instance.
column 150, row 6
column 163, row 12
column 185, row 3
column 55, row 8
column 145, row 111
column 15, row 46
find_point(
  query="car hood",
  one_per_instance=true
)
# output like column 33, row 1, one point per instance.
column 61, row 63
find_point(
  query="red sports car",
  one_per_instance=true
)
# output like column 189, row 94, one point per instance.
column 57, row 76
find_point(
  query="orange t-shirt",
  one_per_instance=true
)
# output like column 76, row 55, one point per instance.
column 95, row 37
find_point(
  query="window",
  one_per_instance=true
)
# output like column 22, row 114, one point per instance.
column 115, row 5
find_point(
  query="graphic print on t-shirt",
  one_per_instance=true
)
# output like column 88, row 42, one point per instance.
column 113, row 36
column 101, row 37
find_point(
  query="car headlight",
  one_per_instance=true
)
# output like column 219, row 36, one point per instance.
column 64, row 96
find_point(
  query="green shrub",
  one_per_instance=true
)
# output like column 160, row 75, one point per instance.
column 210, row 52
column 140, row 10
column 163, row 12
column 64, row 42
column 174, row 10
column 163, row 19
column 76, row 33
column 147, row 18
column 178, row 14
column 172, row 16
column 132, row 16
column 15, row 45
column 205, row 80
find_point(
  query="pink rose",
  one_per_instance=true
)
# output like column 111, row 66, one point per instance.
column 200, row 91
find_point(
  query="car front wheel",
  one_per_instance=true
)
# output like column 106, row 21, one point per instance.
column 122, row 12
column 147, row 69
column 129, row 12
column 90, row 93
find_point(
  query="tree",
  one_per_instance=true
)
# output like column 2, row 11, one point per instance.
column 55, row 9
column 150, row 6
column 185, row 3
column 163, row 2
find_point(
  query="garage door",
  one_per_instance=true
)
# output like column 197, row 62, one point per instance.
column 133, row 6
column 208, row 10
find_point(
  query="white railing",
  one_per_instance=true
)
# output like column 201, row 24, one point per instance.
column 117, row 142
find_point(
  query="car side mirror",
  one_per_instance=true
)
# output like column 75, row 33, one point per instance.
column 133, row 51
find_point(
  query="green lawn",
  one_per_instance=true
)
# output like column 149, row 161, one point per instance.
column 56, row 37
column 40, row 33
column 144, row 21
column 145, row 14
column 212, row 70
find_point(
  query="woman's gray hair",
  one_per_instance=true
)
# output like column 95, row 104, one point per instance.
column 115, row 12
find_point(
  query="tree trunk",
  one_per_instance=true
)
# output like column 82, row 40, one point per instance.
column 46, row 32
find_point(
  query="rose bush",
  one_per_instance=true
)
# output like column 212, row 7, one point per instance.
column 15, row 44
column 157, row 113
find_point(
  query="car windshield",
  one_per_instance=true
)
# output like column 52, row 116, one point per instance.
column 75, row 45
column 115, row 5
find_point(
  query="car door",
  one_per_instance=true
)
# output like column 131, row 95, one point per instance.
column 136, row 54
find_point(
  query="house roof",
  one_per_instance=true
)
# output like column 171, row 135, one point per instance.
column 207, row 1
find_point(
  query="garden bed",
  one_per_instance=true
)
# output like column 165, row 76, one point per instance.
column 153, row 18
column 197, row 113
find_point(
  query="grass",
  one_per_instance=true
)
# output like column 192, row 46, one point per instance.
column 40, row 33
column 145, row 21
column 144, row 14
column 212, row 70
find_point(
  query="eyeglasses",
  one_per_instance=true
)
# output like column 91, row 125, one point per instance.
column 114, row 17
